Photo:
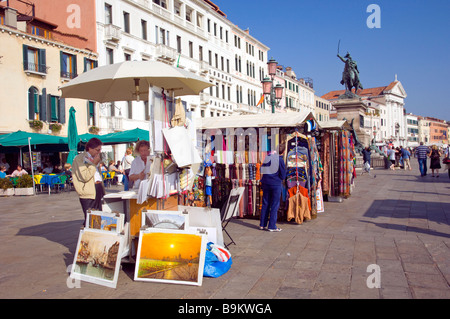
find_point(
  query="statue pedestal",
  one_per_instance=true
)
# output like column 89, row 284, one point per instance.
column 354, row 110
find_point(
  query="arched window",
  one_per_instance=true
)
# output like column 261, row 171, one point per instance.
column 33, row 103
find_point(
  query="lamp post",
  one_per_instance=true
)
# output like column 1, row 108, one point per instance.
column 274, row 92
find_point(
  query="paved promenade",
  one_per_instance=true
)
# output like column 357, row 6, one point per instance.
column 398, row 221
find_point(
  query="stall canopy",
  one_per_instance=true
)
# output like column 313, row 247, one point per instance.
column 20, row 138
column 335, row 125
column 129, row 136
column 292, row 119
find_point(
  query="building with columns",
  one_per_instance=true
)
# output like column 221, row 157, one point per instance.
column 387, row 103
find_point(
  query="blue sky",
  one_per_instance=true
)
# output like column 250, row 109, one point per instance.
column 413, row 42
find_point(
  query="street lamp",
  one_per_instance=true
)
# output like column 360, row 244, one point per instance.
column 274, row 92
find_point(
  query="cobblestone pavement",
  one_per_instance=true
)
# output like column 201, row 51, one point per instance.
column 398, row 221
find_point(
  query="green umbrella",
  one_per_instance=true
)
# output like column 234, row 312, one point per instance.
column 72, row 135
column 130, row 136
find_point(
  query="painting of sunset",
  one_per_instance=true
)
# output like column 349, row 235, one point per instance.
column 172, row 257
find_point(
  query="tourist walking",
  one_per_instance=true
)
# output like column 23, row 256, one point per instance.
column 421, row 154
column 446, row 160
column 271, row 184
column 391, row 156
column 366, row 158
column 86, row 177
column 406, row 158
column 435, row 163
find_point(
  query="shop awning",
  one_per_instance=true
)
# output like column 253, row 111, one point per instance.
column 335, row 125
column 130, row 136
column 20, row 138
column 292, row 119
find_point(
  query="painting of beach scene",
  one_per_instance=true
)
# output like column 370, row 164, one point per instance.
column 165, row 220
column 170, row 257
column 97, row 258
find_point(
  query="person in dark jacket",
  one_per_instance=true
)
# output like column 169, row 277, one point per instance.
column 366, row 158
column 274, row 173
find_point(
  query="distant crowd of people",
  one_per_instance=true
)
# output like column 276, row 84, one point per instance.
column 400, row 158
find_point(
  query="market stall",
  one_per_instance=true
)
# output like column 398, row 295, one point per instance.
column 150, row 215
column 235, row 148
column 337, row 152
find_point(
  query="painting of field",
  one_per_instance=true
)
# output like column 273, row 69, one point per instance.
column 170, row 257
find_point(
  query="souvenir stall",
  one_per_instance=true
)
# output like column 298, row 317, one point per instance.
column 236, row 146
column 147, row 225
column 337, row 153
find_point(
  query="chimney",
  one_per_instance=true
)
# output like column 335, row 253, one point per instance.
column 11, row 17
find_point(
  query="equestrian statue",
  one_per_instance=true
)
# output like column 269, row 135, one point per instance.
column 350, row 77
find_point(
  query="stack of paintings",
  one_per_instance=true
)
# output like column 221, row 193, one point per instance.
column 168, row 250
column 99, row 249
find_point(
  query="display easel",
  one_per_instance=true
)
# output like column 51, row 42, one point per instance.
column 231, row 209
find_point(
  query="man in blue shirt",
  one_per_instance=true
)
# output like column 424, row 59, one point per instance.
column 274, row 173
column 421, row 154
column 405, row 156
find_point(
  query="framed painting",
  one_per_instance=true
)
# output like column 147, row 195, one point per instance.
column 113, row 222
column 170, row 257
column 210, row 232
column 165, row 220
column 97, row 258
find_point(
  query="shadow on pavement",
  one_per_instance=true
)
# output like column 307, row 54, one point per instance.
column 65, row 233
column 408, row 213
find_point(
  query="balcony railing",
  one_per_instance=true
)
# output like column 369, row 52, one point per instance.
column 112, row 33
column 68, row 75
column 36, row 68
column 166, row 53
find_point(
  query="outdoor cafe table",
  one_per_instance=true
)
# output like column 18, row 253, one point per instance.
column 47, row 179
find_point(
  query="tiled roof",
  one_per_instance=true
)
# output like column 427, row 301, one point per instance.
column 334, row 95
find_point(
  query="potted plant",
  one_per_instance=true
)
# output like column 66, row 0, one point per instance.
column 36, row 125
column 55, row 127
column 6, row 187
column 24, row 186
column 94, row 130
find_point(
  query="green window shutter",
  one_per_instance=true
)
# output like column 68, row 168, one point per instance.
column 25, row 57
column 43, row 103
column 62, row 110
column 54, row 108
column 31, row 102
column 62, row 63
column 36, row 102
column 74, row 66
column 42, row 61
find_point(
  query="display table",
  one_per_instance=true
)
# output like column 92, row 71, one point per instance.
column 126, row 203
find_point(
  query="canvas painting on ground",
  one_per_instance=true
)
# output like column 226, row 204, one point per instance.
column 165, row 220
column 97, row 258
column 105, row 221
column 170, row 257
